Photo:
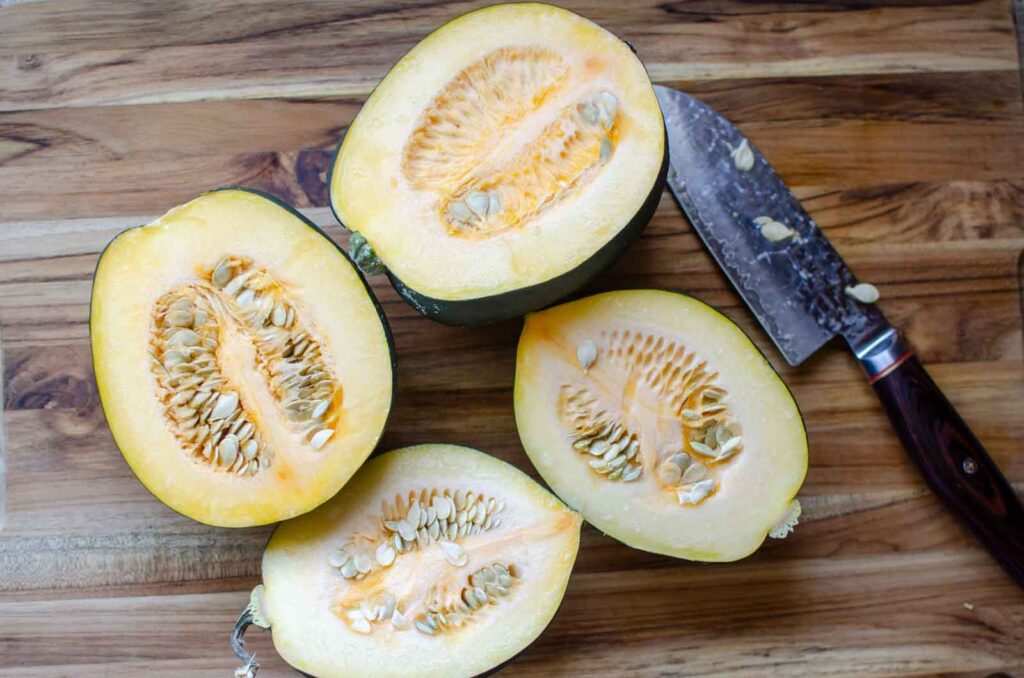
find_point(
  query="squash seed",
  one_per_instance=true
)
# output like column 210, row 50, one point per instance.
column 743, row 156
column 459, row 211
column 226, row 405
column 694, row 472
column 669, row 472
column 586, row 354
column 772, row 230
column 478, row 202
column 320, row 438
column 222, row 274
column 865, row 293
column 701, row 448
column 454, row 554
column 493, row 203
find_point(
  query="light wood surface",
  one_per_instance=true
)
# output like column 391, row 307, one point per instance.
column 900, row 124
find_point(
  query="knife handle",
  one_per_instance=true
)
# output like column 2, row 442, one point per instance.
column 952, row 461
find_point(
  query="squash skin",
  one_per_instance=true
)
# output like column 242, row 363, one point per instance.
column 523, row 395
column 516, row 303
column 366, row 288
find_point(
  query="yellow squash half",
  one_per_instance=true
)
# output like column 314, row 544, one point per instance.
column 244, row 367
column 435, row 561
column 656, row 417
column 508, row 158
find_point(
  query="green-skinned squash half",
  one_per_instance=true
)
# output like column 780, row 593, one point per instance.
column 245, row 369
column 507, row 159
column 435, row 561
column 656, row 417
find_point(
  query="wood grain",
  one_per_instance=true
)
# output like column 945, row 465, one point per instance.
column 898, row 123
column 296, row 54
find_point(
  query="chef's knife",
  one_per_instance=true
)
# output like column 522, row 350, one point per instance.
column 803, row 294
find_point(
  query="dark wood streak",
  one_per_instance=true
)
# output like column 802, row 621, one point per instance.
column 710, row 10
column 954, row 463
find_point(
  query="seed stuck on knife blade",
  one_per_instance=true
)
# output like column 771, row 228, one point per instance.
column 775, row 231
column 743, row 157
column 863, row 292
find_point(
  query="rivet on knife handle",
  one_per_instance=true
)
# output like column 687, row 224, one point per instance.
column 948, row 455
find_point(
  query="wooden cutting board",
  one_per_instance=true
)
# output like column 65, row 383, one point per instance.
column 899, row 123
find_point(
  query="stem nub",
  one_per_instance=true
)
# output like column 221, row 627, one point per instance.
column 251, row 615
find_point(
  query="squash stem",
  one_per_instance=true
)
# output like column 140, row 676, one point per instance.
column 245, row 620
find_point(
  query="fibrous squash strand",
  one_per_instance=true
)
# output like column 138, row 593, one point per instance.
column 506, row 191
column 475, row 110
column 460, row 148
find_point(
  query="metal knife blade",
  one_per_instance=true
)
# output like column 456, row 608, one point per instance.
column 796, row 287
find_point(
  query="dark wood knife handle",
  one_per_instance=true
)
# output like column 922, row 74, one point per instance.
column 952, row 461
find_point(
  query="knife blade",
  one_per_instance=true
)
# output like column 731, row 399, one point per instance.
column 796, row 285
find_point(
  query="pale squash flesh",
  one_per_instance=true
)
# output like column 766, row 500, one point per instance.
column 243, row 366
column 332, row 619
column 657, row 418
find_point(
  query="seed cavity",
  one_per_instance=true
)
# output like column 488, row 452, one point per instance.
column 507, row 192
column 486, row 586
column 416, row 521
column 484, row 186
column 202, row 410
column 203, row 406
column 695, row 437
column 865, row 293
column 475, row 110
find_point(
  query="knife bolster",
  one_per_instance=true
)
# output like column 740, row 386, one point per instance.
column 882, row 354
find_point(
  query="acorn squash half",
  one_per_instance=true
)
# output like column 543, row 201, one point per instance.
column 503, row 162
column 435, row 561
column 656, row 417
column 244, row 367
